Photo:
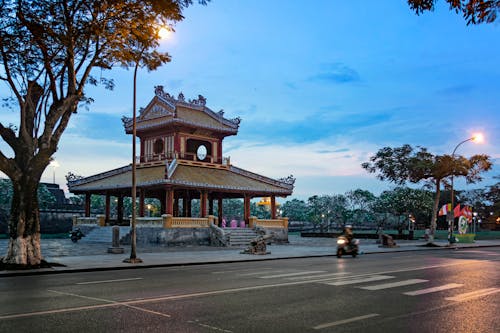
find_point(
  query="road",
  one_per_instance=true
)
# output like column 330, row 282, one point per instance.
column 427, row 291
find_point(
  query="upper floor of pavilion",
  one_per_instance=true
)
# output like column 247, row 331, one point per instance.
column 178, row 128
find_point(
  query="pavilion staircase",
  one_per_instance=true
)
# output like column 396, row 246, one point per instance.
column 104, row 235
column 240, row 236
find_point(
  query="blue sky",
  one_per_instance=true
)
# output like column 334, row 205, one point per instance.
column 320, row 86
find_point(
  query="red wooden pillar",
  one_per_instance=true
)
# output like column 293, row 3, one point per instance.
column 188, row 205
column 87, row 204
column 203, row 203
column 169, row 202
column 273, row 207
column 141, row 202
column 247, row 209
column 119, row 209
column 210, row 205
column 220, row 211
column 107, row 207
column 176, row 205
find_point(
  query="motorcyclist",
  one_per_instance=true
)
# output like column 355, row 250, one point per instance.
column 348, row 233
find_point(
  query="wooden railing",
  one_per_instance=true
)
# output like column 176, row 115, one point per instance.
column 96, row 220
column 187, row 222
column 269, row 223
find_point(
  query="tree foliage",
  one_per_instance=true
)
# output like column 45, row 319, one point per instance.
column 407, row 164
column 473, row 11
column 49, row 51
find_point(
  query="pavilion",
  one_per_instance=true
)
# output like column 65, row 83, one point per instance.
column 181, row 159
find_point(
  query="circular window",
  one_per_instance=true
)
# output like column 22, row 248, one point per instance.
column 201, row 152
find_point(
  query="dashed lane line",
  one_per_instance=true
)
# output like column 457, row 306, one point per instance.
column 393, row 284
column 290, row 274
column 331, row 275
column 110, row 281
column 473, row 294
column 345, row 321
column 359, row 280
column 433, row 289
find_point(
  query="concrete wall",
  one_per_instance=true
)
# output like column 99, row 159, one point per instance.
column 171, row 237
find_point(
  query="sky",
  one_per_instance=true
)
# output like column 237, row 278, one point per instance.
column 320, row 87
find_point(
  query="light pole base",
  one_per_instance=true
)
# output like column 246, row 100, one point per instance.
column 132, row 260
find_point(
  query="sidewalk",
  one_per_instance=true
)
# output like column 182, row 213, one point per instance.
column 93, row 256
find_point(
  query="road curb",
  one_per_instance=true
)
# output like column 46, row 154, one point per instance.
column 45, row 271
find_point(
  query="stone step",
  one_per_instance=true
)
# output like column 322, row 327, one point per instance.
column 104, row 235
column 240, row 236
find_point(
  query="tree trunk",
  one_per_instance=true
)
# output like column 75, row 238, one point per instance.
column 434, row 211
column 24, row 224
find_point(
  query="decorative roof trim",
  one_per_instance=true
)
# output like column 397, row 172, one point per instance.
column 282, row 182
column 99, row 176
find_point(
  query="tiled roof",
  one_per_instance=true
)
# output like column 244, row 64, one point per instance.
column 165, row 110
column 184, row 175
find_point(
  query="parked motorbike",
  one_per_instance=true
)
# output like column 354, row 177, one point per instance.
column 346, row 247
column 76, row 235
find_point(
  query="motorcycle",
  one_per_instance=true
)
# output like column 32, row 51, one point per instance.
column 346, row 247
column 75, row 235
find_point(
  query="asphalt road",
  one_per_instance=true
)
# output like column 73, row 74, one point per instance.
column 430, row 291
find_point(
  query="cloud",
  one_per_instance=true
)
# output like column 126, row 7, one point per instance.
column 337, row 73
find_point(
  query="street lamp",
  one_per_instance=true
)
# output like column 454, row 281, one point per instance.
column 54, row 164
column 162, row 32
column 477, row 138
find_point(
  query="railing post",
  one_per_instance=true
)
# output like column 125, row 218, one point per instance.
column 101, row 220
column 211, row 219
column 285, row 222
column 252, row 222
column 167, row 220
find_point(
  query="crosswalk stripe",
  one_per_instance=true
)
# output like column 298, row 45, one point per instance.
column 473, row 294
column 290, row 274
column 393, row 284
column 359, row 280
column 433, row 290
column 332, row 275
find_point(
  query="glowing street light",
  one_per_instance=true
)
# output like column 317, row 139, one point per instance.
column 54, row 164
column 476, row 138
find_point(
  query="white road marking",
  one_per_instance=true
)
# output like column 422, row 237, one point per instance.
column 224, row 291
column 258, row 273
column 332, row 275
column 394, row 284
column 473, row 294
column 360, row 280
column 433, row 290
column 110, row 281
column 290, row 274
column 240, row 270
column 345, row 321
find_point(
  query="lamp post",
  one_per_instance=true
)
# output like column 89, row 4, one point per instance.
column 162, row 33
column 451, row 215
column 133, row 239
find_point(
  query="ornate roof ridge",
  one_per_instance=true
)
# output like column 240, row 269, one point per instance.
column 287, row 182
column 99, row 176
column 197, row 104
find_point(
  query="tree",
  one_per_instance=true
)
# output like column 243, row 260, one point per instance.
column 473, row 11
column 400, row 202
column 359, row 203
column 49, row 49
column 406, row 164
column 295, row 210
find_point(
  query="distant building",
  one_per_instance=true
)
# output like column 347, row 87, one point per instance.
column 57, row 193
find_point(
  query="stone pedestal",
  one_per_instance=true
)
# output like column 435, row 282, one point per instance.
column 115, row 247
